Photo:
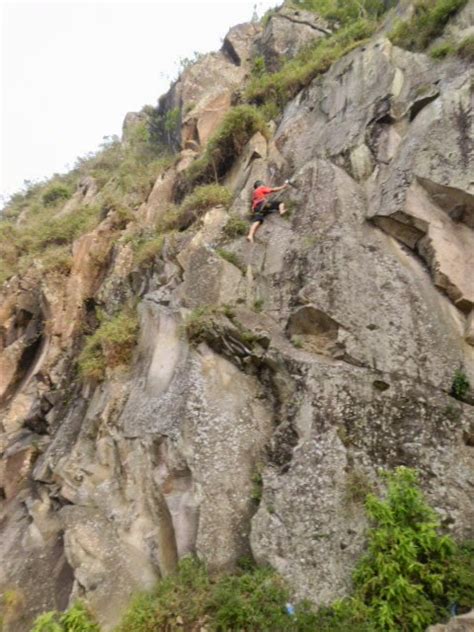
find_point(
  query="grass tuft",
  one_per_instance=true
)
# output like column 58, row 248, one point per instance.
column 427, row 23
column 110, row 345
column 239, row 125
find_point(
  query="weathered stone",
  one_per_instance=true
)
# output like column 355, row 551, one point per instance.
column 288, row 31
column 326, row 353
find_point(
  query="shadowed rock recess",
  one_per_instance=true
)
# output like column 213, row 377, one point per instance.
column 325, row 351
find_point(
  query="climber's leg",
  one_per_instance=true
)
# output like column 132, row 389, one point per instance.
column 253, row 229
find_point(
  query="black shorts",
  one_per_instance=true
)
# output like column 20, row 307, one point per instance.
column 267, row 207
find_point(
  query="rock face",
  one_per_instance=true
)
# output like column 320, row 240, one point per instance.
column 287, row 32
column 329, row 349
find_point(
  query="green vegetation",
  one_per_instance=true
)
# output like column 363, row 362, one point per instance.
column 258, row 304
column 407, row 580
column 235, row 227
column 76, row 619
column 460, row 385
column 257, row 487
column 193, row 207
column 410, row 575
column 124, row 175
column 274, row 90
column 343, row 12
column 199, row 324
column 55, row 193
column 201, row 199
column 465, row 48
column 147, row 248
column 12, row 605
column 39, row 233
column 353, row 22
column 442, row 50
column 231, row 257
column 427, row 23
column 57, row 259
column 239, row 125
column 258, row 66
column 110, row 345
column 251, row 599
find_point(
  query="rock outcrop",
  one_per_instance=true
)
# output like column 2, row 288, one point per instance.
column 329, row 351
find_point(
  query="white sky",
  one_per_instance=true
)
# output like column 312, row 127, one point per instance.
column 70, row 71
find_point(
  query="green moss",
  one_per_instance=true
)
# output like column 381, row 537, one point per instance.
column 110, row 345
column 239, row 125
column 428, row 22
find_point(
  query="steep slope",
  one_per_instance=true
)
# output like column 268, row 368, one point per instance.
column 307, row 361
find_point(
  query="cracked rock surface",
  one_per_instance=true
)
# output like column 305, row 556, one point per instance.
column 328, row 348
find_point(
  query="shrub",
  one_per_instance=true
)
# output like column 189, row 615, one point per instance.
column 465, row 48
column 75, row 619
column 54, row 193
column 110, row 345
column 235, row 227
column 427, row 23
column 239, row 125
column 410, row 574
column 460, row 385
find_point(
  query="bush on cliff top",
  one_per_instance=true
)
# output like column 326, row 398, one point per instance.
column 427, row 23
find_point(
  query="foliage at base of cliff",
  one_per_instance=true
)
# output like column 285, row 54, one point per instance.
column 410, row 577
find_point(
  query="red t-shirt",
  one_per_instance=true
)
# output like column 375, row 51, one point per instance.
column 259, row 195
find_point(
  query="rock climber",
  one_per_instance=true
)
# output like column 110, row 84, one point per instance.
column 261, row 206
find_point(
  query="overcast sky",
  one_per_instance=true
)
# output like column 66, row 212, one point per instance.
column 70, row 71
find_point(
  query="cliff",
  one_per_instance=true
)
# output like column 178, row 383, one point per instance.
column 270, row 382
